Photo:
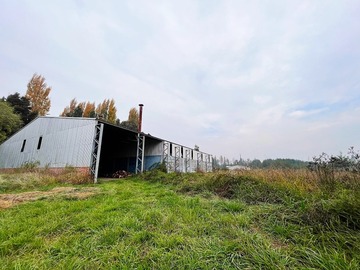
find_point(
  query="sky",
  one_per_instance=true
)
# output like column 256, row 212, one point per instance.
column 250, row 79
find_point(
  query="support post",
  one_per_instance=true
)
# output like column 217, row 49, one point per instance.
column 140, row 153
column 95, row 159
column 206, row 162
column 187, row 160
column 199, row 161
column 177, row 158
column 166, row 155
column 211, row 168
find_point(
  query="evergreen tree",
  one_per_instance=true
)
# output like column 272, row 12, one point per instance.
column 10, row 122
column 21, row 106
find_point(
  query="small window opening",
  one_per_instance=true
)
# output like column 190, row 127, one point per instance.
column 39, row 143
column 23, row 146
column 170, row 149
column 192, row 154
column 182, row 152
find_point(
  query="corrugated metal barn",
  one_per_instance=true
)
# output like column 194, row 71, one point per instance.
column 103, row 148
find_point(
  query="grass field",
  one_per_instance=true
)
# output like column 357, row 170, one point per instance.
column 248, row 220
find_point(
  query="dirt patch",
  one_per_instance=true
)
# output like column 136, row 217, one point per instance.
column 10, row 200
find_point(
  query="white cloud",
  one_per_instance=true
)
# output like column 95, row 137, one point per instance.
column 305, row 113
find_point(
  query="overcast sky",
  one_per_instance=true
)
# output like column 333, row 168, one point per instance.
column 260, row 79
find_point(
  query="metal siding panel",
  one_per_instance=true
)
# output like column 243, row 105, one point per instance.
column 150, row 161
column 65, row 141
column 153, row 148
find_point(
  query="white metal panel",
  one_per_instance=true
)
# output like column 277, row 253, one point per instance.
column 153, row 147
column 65, row 141
column 197, row 160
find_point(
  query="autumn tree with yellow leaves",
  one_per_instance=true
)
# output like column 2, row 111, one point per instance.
column 105, row 110
column 102, row 109
column 38, row 95
column 112, row 112
column 133, row 115
column 69, row 110
column 89, row 110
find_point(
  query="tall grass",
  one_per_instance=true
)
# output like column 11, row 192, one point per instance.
column 136, row 224
column 263, row 219
column 304, row 202
column 27, row 178
column 304, row 198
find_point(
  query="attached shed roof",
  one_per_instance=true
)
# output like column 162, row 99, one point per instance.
column 128, row 131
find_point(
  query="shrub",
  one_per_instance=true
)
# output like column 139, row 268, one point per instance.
column 30, row 166
column 159, row 166
column 73, row 176
column 332, row 171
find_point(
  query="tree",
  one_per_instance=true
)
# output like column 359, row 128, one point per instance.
column 69, row 110
column 102, row 110
column 89, row 110
column 78, row 112
column 105, row 110
column 133, row 120
column 129, row 125
column 112, row 112
column 21, row 106
column 256, row 163
column 133, row 116
column 74, row 109
column 10, row 122
column 38, row 95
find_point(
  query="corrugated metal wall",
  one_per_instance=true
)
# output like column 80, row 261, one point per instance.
column 65, row 141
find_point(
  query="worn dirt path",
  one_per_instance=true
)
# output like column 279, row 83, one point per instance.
column 10, row 200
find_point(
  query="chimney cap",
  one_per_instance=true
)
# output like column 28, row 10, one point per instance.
column 141, row 105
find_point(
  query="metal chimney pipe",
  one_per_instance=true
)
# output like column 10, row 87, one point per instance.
column 140, row 117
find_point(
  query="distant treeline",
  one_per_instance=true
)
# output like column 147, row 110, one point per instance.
column 279, row 163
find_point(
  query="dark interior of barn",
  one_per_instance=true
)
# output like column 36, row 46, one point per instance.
column 118, row 151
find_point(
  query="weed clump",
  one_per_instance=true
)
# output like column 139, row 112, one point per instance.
column 340, row 211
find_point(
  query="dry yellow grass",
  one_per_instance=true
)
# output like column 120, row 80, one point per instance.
column 10, row 200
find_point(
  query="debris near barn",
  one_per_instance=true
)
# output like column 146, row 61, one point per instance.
column 121, row 174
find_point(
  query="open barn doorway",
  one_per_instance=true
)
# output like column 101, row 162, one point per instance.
column 118, row 151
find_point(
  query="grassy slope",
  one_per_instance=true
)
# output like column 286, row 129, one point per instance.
column 139, row 224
